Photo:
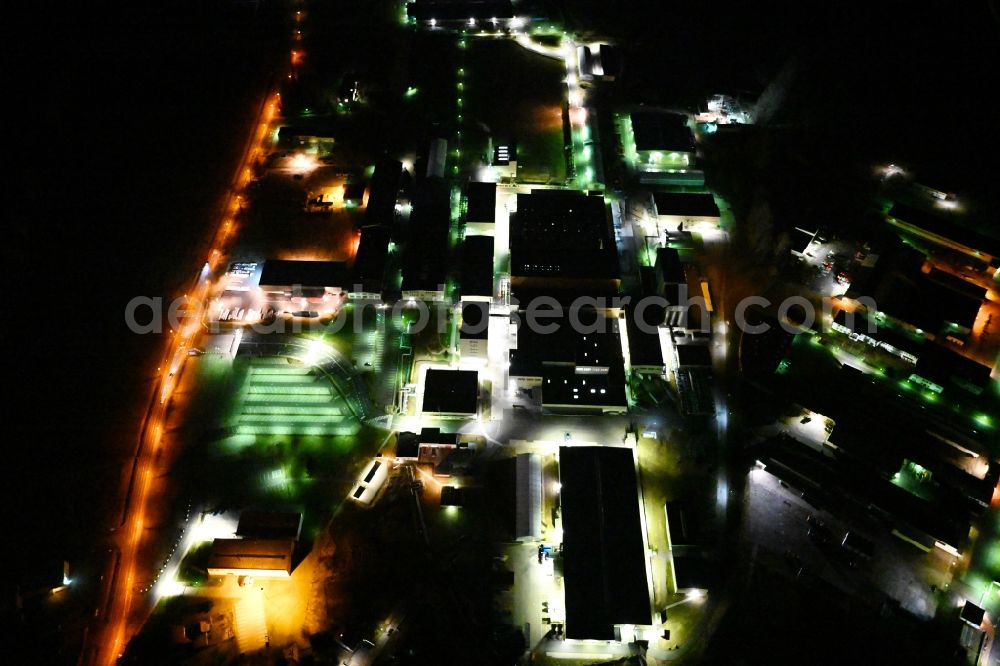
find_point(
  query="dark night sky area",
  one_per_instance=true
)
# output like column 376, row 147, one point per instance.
column 127, row 124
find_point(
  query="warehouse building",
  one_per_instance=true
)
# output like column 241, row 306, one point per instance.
column 266, row 558
column 451, row 393
column 604, row 553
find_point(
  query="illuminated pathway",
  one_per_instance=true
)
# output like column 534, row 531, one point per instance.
column 107, row 642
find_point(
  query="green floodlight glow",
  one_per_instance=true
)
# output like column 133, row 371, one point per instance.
column 461, row 71
column 586, row 152
column 411, row 91
column 983, row 420
column 461, row 86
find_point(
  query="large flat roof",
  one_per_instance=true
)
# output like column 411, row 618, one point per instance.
column 944, row 366
column 425, row 257
column 283, row 272
column 451, row 391
column 644, row 347
column 477, row 266
column 948, row 225
column 668, row 265
column 603, row 550
column 475, row 320
column 654, row 130
column 562, row 234
column 569, row 391
column 481, row 202
column 382, row 192
column 252, row 554
column 924, row 303
column 686, row 204
column 566, row 346
column 369, row 262
column 694, row 355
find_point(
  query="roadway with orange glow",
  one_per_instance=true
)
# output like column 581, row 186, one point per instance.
column 107, row 643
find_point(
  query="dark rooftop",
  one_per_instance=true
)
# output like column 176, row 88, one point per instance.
column 407, row 445
column 925, row 304
column 481, row 202
column 562, row 234
column 801, row 239
column 369, row 262
column 661, row 131
column 425, row 257
column 669, row 267
column 451, row 391
column 475, row 324
column 696, row 355
column 477, row 266
column 837, row 479
column 603, row 551
column 452, row 496
column 564, row 346
column 944, row 366
column 282, row 272
column 566, row 390
column 685, row 204
column 947, row 225
column 957, row 284
column 644, row 341
column 382, row 192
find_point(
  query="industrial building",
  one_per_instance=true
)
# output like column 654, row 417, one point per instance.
column 669, row 274
column 933, row 304
column 598, row 61
column 473, row 333
column 562, row 238
column 477, row 268
column 644, row 330
column 528, row 498
column 383, row 189
column 690, row 365
column 604, row 552
column 686, row 211
column 480, row 208
column 577, row 372
column 368, row 271
column 282, row 278
column 801, row 241
column 945, row 229
column 266, row 558
column 451, row 393
column 425, row 258
column 430, row 446
column 367, row 489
